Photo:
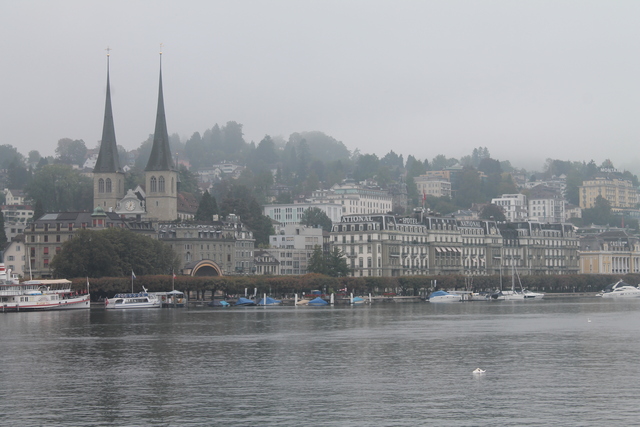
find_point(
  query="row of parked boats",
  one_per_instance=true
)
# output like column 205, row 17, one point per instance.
column 618, row 290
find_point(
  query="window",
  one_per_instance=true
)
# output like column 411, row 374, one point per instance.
column 45, row 251
column 153, row 185
column 161, row 184
column 108, row 185
column 101, row 185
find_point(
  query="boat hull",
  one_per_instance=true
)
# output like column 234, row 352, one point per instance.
column 80, row 303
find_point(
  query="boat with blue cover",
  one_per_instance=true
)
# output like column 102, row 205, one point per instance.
column 245, row 301
column 269, row 301
column 317, row 302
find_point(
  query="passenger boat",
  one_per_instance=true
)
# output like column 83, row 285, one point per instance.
column 39, row 295
column 133, row 300
column 620, row 289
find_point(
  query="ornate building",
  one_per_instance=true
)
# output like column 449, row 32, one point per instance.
column 385, row 245
column 610, row 252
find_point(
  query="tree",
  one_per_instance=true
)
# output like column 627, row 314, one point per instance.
column 34, row 157
column 38, row 210
column 316, row 217
column 337, row 264
column 492, row 211
column 113, row 252
column 332, row 264
column 3, row 235
column 317, row 263
column 8, row 155
column 60, row 188
column 207, row 208
column 71, row 152
column 18, row 175
column 188, row 180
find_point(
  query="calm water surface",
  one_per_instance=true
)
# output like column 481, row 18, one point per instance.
column 389, row 364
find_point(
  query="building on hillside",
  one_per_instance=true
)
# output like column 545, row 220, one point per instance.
column 15, row 219
column 291, row 213
column 44, row 236
column 436, row 187
column 13, row 255
column 399, row 196
column 609, row 252
column 356, row 198
column 13, row 197
column 513, row 205
column 613, row 187
column 572, row 211
column 546, row 204
column 222, row 247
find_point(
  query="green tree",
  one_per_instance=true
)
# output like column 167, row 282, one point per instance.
column 469, row 188
column 8, row 155
column 114, row 252
column 207, row 208
column 337, row 263
column 38, row 210
column 60, row 188
column 71, row 152
column 317, row 263
column 3, row 235
column 492, row 211
column 316, row 217
column 188, row 180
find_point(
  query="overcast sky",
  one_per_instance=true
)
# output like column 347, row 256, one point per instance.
column 527, row 79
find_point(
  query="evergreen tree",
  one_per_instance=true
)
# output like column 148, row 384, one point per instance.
column 317, row 262
column 38, row 210
column 337, row 264
column 3, row 235
column 207, row 208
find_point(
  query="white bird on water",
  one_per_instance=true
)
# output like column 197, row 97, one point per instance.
column 479, row 371
column 588, row 320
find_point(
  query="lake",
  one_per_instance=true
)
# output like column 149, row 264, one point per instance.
column 559, row 361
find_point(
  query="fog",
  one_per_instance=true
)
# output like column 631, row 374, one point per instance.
column 527, row 79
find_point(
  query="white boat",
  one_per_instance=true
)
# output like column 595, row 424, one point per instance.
column 515, row 295
column 39, row 295
column 620, row 289
column 443, row 296
column 133, row 300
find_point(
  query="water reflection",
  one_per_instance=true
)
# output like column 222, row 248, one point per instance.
column 385, row 364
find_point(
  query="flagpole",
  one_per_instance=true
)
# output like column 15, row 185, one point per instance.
column 131, row 281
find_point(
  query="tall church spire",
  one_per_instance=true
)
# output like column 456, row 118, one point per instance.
column 108, row 159
column 160, row 158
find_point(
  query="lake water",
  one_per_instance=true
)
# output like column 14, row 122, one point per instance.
column 569, row 362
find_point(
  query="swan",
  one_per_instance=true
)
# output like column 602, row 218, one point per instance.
column 479, row 371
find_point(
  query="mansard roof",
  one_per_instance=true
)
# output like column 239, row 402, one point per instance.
column 108, row 160
column 160, row 158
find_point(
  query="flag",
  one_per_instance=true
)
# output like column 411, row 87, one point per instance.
column 174, row 275
column 133, row 275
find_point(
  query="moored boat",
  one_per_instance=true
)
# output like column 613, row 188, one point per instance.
column 40, row 295
column 443, row 296
column 133, row 300
column 620, row 289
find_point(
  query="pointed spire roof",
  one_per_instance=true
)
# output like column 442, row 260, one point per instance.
column 160, row 158
column 108, row 159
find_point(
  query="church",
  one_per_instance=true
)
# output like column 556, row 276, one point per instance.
column 159, row 199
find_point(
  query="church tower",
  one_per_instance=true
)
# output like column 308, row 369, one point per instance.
column 161, row 178
column 108, row 177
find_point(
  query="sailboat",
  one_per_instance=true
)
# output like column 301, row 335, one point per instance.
column 513, row 294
